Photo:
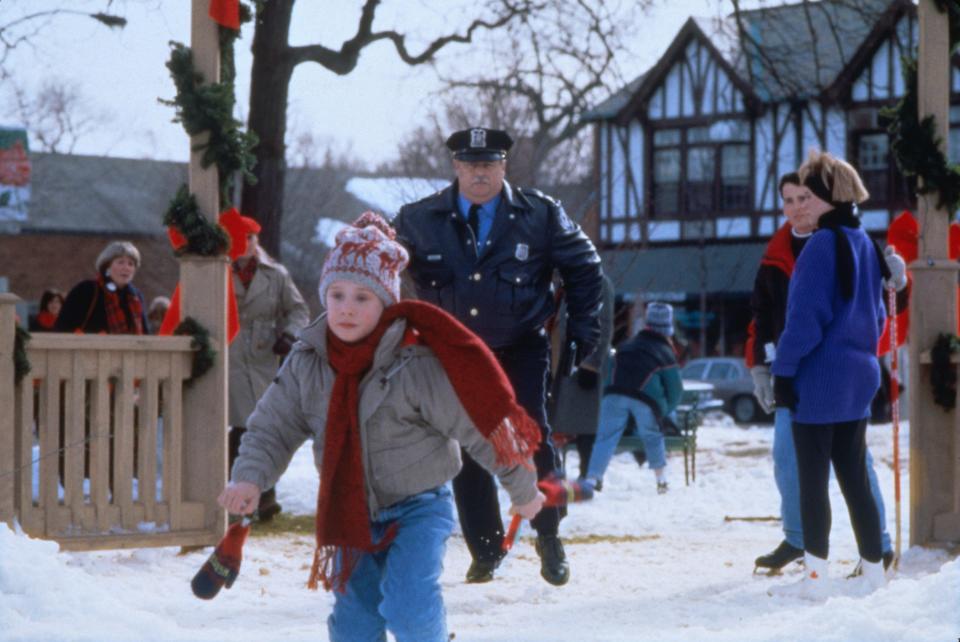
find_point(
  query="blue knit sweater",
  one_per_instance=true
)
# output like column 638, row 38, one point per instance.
column 829, row 344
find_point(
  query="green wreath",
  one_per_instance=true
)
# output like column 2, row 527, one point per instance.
column 21, row 364
column 916, row 148
column 204, row 354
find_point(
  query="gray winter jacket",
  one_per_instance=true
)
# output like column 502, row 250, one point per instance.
column 411, row 422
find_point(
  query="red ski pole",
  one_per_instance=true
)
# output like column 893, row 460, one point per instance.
column 895, row 415
column 557, row 492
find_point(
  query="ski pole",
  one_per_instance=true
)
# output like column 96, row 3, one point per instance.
column 557, row 492
column 895, row 415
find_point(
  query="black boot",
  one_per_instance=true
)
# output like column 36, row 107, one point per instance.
column 553, row 561
column 481, row 571
column 780, row 557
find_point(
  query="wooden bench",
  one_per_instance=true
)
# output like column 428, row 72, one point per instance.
column 689, row 418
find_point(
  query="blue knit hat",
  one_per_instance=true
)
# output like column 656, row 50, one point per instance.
column 659, row 318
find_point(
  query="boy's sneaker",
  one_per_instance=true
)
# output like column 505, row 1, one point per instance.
column 780, row 557
column 662, row 488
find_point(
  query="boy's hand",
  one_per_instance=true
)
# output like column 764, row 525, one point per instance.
column 530, row 509
column 240, row 498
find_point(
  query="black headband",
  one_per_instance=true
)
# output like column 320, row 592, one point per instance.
column 816, row 185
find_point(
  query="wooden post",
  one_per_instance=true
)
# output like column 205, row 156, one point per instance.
column 8, row 327
column 933, row 431
column 203, row 283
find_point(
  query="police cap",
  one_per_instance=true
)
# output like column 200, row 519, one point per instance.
column 479, row 144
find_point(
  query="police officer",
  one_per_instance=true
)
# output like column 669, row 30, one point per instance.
column 486, row 252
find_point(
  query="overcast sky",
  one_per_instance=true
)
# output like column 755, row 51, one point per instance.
column 120, row 73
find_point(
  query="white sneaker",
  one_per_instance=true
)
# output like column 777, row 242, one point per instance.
column 872, row 578
column 815, row 584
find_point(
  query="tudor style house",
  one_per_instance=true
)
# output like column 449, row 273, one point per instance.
column 688, row 155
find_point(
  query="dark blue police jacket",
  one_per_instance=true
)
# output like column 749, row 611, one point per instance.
column 503, row 291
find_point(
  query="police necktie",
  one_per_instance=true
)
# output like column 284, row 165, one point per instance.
column 473, row 220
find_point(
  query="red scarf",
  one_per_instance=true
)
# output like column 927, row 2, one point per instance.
column 117, row 320
column 46, row 319
column 245, row 270
column 343, row 522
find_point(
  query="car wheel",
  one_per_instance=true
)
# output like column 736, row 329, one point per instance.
column 744, row 409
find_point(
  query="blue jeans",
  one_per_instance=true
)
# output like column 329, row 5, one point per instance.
column 398, row 589
column 615, row 412
column 788, row 482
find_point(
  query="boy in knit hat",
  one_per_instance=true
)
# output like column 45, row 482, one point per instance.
column 389, row 391
column 826, row 369
column 646, row 386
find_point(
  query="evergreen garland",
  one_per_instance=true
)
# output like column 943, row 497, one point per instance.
column 21, row 364
column 919, row 153
column 917, row 149
column 204, row 238
column 208, row 107
column 943, row 374
column 204, row 354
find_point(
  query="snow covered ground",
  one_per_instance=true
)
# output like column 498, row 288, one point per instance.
column 644, row 567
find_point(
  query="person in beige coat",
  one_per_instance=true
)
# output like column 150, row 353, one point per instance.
column 272, row 312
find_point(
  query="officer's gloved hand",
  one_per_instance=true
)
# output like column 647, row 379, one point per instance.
column 897, row 267
column 283, row 344
column 784, row 393
column 763, row 387
column 587, row 378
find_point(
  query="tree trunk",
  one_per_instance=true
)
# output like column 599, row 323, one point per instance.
column 269, row 84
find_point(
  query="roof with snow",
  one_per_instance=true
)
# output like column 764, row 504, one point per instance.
column 794, row 50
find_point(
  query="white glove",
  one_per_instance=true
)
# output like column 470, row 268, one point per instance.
column 763, row 387
column 897, row 267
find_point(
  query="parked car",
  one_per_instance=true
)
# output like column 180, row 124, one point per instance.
column 732, row 384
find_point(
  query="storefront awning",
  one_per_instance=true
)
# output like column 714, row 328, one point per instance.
column 675, row 272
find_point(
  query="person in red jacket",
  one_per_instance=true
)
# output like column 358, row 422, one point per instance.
column 769, row 306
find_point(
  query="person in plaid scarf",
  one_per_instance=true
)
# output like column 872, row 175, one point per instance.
column 389, row 391
column 109, row 303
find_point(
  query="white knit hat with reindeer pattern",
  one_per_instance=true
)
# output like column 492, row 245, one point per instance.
column 366, row 253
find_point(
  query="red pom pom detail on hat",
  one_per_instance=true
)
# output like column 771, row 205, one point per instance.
column 372, row 219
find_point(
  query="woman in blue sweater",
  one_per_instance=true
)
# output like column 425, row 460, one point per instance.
column 826, row 366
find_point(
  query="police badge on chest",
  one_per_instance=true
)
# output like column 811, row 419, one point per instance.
column 522, row 252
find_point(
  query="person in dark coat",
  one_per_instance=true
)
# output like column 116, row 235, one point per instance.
column 109, row 303
column 574, row 405
column 826, row 368
column 646, row 387
column 51, row 302
column 486, row 252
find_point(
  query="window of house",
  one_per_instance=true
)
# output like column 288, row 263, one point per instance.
column 666, row 180
column 702, row 169
column 879, row 172
column 873, row 157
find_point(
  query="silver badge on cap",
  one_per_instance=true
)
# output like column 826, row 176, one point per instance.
column 478, row 137
column 522, row 253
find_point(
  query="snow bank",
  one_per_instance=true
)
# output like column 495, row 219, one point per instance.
column 644, row 567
